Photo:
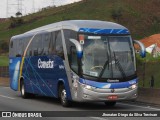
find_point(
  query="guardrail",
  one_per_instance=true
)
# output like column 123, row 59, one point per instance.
column 4, row 71
column 149, row 95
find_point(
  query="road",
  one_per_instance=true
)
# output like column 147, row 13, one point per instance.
column 12, row 101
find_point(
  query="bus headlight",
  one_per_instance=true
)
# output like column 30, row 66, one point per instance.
column 88, row 87
column 134, row 86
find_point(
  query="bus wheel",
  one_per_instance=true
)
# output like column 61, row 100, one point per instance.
column 63, row 96
column 110, row 104
column 24, row 94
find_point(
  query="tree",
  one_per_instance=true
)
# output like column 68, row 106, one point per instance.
column 18, row 14
column 16, row 21
column 117, row 13
column 4, row 46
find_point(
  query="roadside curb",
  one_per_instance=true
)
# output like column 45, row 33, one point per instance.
column 149, row 95
column 4, row 81
column 141, row 103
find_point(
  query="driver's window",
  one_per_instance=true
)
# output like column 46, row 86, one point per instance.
column 74, row 63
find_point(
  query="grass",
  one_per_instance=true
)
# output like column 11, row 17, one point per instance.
column 146, row 67
column 145, row 71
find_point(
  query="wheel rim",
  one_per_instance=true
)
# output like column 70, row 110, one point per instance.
column 63, row 96
column 22, row 90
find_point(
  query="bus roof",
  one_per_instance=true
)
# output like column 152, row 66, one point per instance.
column 86, row 26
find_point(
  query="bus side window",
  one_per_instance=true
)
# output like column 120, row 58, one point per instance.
column 59, row 46
column 14, row 47
column 35, row 46
column 29, row 50
column 18, row 48
column 46, row 42
column 68, row 34
column 52, row 43
column 73, row 62
column 26, row 42
column 11, row 51
column 38, row 45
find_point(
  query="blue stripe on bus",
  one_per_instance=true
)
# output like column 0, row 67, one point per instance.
column 42, row 81
column 104, row 31
column 109, row 85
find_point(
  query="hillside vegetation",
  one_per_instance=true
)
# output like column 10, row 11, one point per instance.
column 141, row 17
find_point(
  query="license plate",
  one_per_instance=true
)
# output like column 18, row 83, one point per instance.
column 112, row 97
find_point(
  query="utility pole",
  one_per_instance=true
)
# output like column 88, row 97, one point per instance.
column 33, row 6
column 13, row 7
column 19, row 7
column 7, row 10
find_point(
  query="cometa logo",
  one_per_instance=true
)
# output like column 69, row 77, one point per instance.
column 45, row 64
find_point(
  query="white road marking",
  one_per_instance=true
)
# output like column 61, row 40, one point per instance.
column 148, row 107
column 7, row 97
column 99, row 118
column 4, row 87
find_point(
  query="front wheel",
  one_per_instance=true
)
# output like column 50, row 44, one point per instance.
column 24, row 94
column 110, row 104
column 23, row 91
column 63, row 96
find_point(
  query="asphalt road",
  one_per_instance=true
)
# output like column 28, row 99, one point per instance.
column 12, row 101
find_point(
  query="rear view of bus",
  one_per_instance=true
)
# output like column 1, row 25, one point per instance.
column 97, row 63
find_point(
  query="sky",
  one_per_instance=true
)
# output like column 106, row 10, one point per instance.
column 28, row 6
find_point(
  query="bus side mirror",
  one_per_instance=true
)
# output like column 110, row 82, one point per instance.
column 78, row 48
column 142, row 47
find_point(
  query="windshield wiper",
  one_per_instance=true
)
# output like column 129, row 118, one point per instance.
column 119, row 66
column 103, row 69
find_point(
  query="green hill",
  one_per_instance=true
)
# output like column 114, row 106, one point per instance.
column 142, row 17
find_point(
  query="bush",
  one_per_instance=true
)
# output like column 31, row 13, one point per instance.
column 117, row 13
column 15, row 22
column 4, row 46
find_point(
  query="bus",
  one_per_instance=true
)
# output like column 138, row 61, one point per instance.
column 75, row 60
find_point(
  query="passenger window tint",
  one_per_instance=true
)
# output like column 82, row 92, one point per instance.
column 29, row 50
column 52, row 43
column 12, row 48
column 46, row 42
column 71, row 51
column 18, row 49
column 26, row 41
column 74, row 64
column 38, row 45
column 59, row 46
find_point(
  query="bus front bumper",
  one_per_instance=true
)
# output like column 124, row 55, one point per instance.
column 107, row 94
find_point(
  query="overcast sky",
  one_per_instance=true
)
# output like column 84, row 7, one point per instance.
column 28, row 6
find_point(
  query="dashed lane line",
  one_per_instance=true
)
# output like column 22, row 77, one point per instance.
column 99, row 118
column 146, row 107
column 7, row 97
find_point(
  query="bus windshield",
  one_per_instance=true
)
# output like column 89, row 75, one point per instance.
column 108, row 57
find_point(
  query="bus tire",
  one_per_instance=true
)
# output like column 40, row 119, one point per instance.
column 24, row 94
column 63, row 96
column 110, row 103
